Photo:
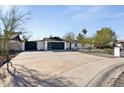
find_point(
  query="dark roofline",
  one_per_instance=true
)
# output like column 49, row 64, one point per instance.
column 53, row 39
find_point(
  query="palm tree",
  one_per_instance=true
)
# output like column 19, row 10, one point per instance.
column 84, row 31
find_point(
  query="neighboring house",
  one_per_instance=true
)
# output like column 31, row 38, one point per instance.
column 120, row 44
column 15, row 43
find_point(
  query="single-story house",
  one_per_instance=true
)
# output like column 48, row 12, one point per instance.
column 15, row 43
column 120, row 44
column 52, row 43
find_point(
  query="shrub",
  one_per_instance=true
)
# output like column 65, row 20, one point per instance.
column 109, row 51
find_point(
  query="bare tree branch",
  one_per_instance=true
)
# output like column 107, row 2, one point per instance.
column 13, row 23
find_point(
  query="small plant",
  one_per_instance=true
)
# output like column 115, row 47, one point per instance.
column 109, row 51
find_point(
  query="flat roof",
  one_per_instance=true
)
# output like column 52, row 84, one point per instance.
column 121, row 41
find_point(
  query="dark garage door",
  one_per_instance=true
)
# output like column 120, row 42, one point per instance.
column 55, row 45
column 31, row 46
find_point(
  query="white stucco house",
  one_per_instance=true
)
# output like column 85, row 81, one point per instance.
column 120, row 44
column 53, row 43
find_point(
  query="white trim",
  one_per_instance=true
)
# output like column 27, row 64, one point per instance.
column 56, row 41
column 46, row 45
column 40, row 45
column 65, row 46
column 23, row 46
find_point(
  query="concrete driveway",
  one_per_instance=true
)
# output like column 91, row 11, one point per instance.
column 57, row 69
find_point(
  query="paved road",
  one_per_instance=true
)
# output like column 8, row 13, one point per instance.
column 47, row 68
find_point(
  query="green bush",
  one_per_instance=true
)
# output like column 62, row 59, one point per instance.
column 109, row 51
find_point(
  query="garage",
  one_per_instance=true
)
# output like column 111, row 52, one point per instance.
column 30, row 45
column 55, row 46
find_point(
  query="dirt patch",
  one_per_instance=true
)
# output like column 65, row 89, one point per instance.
column 97, row 52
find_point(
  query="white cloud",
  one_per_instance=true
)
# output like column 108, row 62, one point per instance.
column 71, row 9
column 95, row 8
column 83, row 12
column 74, row 8
column 111, row 15
column 79, row 16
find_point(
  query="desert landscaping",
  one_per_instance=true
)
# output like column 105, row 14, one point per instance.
column 42, row 46
column 64, row 69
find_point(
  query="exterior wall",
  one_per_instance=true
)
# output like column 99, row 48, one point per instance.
column 67, row 45
column 23, row 46
column 40, row 45
column 80, row 46
column 12, row 45
column 15, row 45
column 77, row 46
column 121, row 45
column 74, row 45
column 45, row 45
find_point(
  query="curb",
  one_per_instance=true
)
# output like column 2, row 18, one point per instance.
column 107, row 76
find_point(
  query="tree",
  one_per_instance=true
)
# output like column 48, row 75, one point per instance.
column 84, row 31
column 12, row 22
column 81, row 39
column 114, row 39
column 26, row 36
column 104, row 37
column 90, row 41
column 0, row 34
column 69, row 37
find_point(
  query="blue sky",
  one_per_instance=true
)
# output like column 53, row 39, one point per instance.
column 57, row 20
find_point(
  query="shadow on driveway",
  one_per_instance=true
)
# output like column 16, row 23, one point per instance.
column 24, row 77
